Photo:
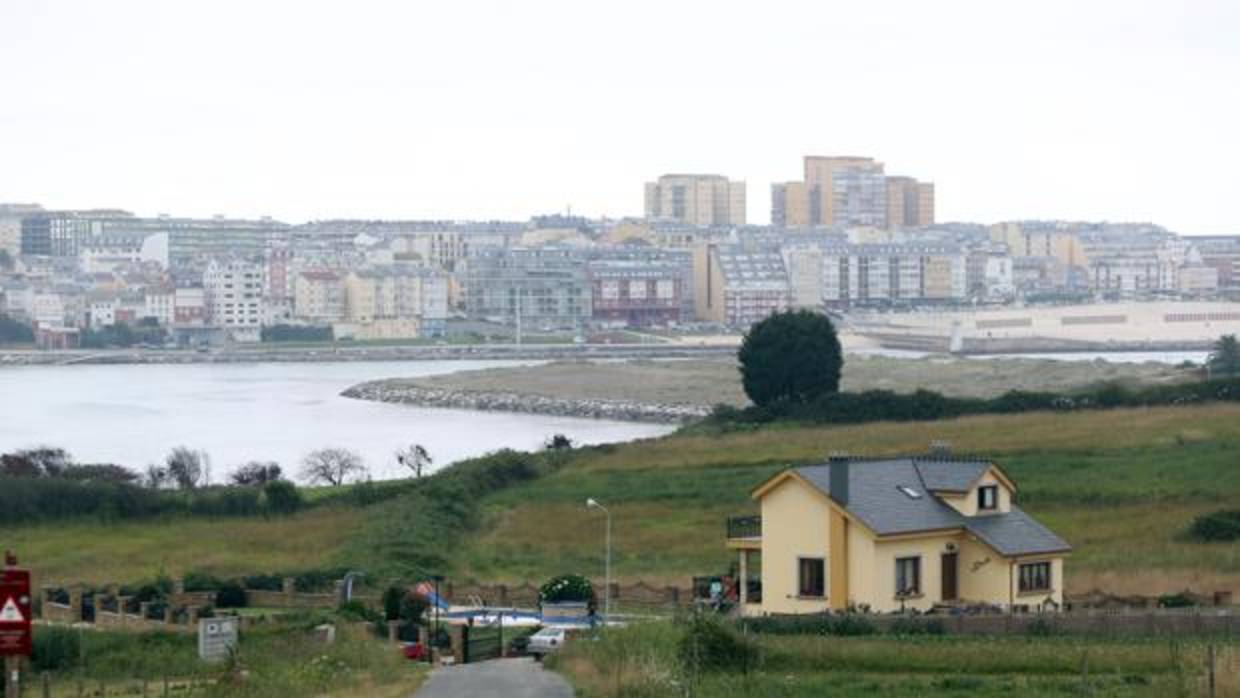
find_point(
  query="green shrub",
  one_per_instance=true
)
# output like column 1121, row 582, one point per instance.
column 231, row 595
column 906, row 625
column 844, row 625
column 709, row 645
column 566, row 587
column 202, row 581
column 923, row 405
column 264, row 582
column 281, row 497
column 225, row 501
column 1180, row 600
column 1216, row 526
column 356, row 610
column 55, row 648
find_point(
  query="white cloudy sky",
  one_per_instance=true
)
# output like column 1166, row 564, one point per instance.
column 1098, row 109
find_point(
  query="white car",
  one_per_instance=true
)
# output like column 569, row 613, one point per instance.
column 546, row 641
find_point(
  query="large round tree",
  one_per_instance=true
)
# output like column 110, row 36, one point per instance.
column 792, row 356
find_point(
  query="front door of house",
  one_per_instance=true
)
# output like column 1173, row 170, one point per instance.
column 949, row 576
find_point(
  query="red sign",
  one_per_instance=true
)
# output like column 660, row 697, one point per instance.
column 16, row 610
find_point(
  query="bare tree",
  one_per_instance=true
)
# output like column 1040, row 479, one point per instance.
column 415, row 458
column 186, row 467
column 156, row 477
column 332, row 466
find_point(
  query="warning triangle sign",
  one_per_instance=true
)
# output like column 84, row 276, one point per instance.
column 11, row 613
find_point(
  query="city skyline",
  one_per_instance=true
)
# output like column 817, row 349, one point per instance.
column 1114, row 111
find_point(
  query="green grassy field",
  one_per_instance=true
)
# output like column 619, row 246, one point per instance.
column 273, row 661
column 1120, row 485
column 99, row 553
column 642, row 661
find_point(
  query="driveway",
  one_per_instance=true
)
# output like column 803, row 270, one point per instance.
column 498, row 678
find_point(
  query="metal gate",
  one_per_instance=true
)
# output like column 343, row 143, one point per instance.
column 483, row 643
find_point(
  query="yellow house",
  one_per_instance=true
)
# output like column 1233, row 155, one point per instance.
column 887, row 535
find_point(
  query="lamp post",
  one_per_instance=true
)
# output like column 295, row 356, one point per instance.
column 593, row 503
column 437, row 578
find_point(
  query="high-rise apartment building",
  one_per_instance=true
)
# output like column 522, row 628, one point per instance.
column 851, row 191
column 910, row 203
column 233, row 295
column 696, row 199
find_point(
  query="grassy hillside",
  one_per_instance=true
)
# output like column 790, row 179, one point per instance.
column 100, row 553
column 1120, row 485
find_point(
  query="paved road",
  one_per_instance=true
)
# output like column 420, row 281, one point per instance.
column 499, row 678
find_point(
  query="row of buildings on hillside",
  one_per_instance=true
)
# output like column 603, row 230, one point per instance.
column 848, row 237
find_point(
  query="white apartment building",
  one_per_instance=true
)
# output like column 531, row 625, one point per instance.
column 160, row 303
column 234, row 298
column 842, row 275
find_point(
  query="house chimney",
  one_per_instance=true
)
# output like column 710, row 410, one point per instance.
column 839, row 477
column 941, row 449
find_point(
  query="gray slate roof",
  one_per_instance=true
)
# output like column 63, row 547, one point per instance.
column 876, row 499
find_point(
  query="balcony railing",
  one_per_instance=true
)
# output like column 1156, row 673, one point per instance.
column 744, row 527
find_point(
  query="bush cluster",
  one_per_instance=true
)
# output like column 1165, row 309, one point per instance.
column 842, row 625
column 29, row 499
column 925, row 405
column 709, row 645
column 1220, row 526
column 567, row 587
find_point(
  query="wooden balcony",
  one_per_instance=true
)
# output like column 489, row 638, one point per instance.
column 745, row 532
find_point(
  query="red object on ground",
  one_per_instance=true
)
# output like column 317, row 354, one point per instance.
column 415, row 651
column 16, row 611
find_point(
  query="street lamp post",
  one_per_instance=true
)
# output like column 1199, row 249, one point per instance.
column 437, row 578
column 593, row 503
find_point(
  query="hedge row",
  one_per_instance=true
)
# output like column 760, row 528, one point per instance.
column 925, row 405
column 27, row 499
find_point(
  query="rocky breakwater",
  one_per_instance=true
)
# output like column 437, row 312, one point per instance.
column 422, row 396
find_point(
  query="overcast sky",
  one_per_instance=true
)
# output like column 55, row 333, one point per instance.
column 1097, row 110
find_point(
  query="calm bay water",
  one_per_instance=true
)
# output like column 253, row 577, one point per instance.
column 133, row 415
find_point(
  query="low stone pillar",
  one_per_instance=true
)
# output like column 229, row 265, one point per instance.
column 169, row 614
column 75, row 604
column 193, row 617
column 393, row 631
column 673, row 595
column 458, row 635
column 289, row 586
column 144, row 608
column 424, row 636
column 122, row 603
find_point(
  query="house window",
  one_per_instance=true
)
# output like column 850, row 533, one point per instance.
column 908, row 576
column 988, row 497
column 811, row 577
column 1035, row 576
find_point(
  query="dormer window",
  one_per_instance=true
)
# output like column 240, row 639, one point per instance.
column 988, row 498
